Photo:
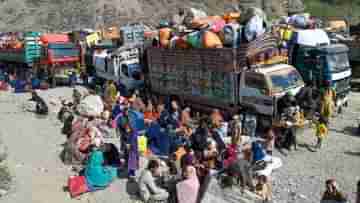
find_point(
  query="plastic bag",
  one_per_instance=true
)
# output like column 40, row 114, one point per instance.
column 254, row 28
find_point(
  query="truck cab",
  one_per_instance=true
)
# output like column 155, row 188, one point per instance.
column 323, row 63
column 122, row 66
column 261, row 88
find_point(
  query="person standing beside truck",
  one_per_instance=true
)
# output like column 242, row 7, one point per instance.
column 327, row 105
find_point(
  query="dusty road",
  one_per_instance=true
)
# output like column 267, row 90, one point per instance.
column 34, row 147
column 35, row 144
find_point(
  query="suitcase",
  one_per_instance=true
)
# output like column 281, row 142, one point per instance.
column 77, row 186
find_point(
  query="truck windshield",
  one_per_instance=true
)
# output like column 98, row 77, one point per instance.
column 285, row 79
column 338, row 62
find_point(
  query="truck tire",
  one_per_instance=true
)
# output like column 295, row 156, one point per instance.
column 340, row 110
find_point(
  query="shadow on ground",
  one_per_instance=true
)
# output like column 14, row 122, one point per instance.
column 352, row 153
column 349, row 130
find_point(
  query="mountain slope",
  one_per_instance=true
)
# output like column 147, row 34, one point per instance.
column 59, row 15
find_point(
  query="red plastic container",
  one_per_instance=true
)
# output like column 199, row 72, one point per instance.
column 55, row 38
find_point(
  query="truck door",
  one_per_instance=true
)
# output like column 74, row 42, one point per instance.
column 255, row 93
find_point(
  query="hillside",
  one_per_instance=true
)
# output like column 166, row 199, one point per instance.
column 50, row 15
column 61, row 15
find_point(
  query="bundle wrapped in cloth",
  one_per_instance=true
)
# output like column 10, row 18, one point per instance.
column 92, row 105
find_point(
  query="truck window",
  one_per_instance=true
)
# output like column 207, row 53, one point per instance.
column 124, row 70
column 338, row 62
column 285, row 79
column 256, row 82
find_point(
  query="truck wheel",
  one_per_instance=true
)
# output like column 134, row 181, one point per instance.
column 340, row 110
column 53, row 82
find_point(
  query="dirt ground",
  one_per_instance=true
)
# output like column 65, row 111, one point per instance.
column 34, row 145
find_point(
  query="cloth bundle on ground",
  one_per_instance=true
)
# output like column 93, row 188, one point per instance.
column 92, row 105
column 83, row 135
column 97, row 176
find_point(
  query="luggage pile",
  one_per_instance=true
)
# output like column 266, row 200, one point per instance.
column 195, row 29
column 12, row 40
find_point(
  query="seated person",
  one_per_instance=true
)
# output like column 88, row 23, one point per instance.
column 148, row 188
column 188, row 189
column 333, row 193
column 41, row 106
column 97, row 176
column 210, row 155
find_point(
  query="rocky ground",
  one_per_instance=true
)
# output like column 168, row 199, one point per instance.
column 34, row 145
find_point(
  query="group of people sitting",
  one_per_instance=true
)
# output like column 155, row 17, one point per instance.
column 195, row 147
column 186, row 147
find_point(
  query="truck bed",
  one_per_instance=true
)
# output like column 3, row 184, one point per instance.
column 205, row 76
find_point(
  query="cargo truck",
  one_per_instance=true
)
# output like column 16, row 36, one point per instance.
column 227, row 79
column 122, row 65
column 20, row 60
column 58, row 61
column 323, row 63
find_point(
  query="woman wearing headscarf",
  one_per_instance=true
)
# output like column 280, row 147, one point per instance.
column 188, row 189
column 97, row 176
